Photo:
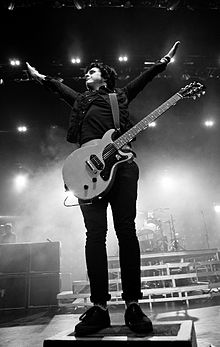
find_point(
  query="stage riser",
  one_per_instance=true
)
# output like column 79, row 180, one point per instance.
column 115, row 342
column 165, row 277
column 169, row 334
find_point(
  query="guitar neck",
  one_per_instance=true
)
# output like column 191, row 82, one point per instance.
column 144, row 123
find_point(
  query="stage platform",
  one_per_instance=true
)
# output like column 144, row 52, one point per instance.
column 165, row 334
column 32, row 328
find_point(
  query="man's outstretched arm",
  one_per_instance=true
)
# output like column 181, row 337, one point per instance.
column 138, row 84
column 64, row 92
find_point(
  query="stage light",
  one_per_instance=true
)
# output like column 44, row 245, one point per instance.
column 22, row 129
column 20, row 182
column 15, row 62
column 11, row 6
column 173, row 5
column 209, row 123
column 217, row 208
column 148, row 63
column 123, row 58
column 1, row 81
column 76, row 60
column 167, row 182
column 78, row 4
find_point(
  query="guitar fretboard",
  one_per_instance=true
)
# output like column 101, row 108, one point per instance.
column 143, row 124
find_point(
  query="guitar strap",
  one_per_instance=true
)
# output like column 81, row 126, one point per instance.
column 115, row 110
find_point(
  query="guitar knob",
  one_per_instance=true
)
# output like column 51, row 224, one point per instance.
column 86, row 186
column 94, row 180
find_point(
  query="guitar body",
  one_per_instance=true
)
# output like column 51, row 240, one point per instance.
column 89, row 171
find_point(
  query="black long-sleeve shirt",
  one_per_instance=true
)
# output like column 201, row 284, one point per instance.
column 91, row 114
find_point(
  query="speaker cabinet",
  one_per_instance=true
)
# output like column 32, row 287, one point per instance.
column 45, row 257
column 13, row 291
column 29, row 274
column 14, row 258
column 43, row 289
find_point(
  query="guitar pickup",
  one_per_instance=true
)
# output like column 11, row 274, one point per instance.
column 91, row 167
column 96, row 162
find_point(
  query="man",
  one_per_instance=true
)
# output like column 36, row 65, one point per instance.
column 9, row 235
column 91, row 117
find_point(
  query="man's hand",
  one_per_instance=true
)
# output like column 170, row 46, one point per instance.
column 34, row 73
column 128, row 149
column 171, row 52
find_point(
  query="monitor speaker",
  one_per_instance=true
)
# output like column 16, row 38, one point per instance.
column 45, row 257
column 43, row 289
column 13, row 291
column 14, row 258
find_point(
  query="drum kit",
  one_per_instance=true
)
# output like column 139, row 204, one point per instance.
column 153, row 236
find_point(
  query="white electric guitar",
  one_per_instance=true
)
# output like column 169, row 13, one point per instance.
column 89, row 171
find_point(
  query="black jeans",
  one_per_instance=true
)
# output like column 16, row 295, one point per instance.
column 122, row 198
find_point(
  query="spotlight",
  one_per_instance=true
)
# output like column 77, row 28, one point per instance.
column 15, row 62
column 173, row 5
column 148, row 63
column 123, row 58
column 217, row 208
column 22, row 129
column 209, row 123
column 11, row 6
column 78, row 4
column 75, row 60
column 20, row 182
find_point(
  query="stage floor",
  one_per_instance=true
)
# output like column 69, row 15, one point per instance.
column 18, row 329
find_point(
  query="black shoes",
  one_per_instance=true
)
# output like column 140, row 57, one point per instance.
column 93, row 320
column 137, row 321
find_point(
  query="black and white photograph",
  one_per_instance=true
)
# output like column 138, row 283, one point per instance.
column 109, row 175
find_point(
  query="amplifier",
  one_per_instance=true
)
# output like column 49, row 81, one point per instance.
column 45, row 257
column 13, row 291
column 29, row 274
column 14, row 258
column 43, row 289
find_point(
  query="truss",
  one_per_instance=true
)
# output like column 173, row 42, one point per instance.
column 169, row 5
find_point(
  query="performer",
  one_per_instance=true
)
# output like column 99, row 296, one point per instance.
column 90, row 118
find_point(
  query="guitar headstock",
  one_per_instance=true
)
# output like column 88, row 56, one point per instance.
column 193, row 90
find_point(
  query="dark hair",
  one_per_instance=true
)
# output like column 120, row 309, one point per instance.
column 107, row 72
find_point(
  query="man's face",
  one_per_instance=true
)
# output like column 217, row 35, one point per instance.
column 94, row 78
